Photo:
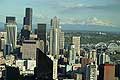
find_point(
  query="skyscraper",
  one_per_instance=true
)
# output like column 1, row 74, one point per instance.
column 61, row 44
column 10, row 19
column 41, row 34
column 44, row 66
column 54, row 37
column 28, row 19
column 72, row 55
column 27, row 25
column 29, row 49
column 76, row 42
column 11, row 29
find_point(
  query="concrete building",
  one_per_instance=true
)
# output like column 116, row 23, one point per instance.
column 54, row 37
column 26, row 67
column 33, row 37
column 107, row 72
column 62, row 40
column 31, row 64
column 11, row 29
column 91, row 72
column 76, row 42
column 55, row 68
column 20, row 64
column 10, row 59
column 72, row 54
column 28, row 49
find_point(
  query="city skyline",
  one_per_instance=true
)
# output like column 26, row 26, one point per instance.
column 105, row 12
column 43, row 40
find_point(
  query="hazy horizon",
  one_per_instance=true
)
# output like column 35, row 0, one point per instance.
column 98, row 12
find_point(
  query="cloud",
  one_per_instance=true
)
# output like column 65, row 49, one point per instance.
column 76, row 7
column 95, row 21
column 88, row 21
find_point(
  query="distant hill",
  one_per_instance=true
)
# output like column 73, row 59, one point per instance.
column 90, row 27
column 77, row 27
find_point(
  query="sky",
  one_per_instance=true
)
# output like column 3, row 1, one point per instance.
column 102, row 12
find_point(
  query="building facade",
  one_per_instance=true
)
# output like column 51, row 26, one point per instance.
column 28, row 49
column 54, row 37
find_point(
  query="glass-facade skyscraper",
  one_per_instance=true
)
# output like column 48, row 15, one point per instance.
column 28, row 19
column 11, row 29
column 41, row 34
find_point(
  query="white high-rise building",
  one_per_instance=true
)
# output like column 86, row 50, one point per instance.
column 55, row 73
column 76, row 42
column 11, row 29
column 54, row 37
column 72, row 54
column 28, row 49
column 61, row 42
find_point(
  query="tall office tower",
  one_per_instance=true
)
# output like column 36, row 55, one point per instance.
column 29, row 49
column 91, row 72
column 41, row 34
column 27, row 25
column 11, row 29
column 107, row 72
column 61, row 42
column 54, row 37
column 72, row 55
column 10, row 19
column 76, row 42
column 44, row 66
column 55, row 68
column 28, row 19
column 55, row 22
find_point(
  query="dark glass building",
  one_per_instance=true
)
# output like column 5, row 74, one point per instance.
column 27, row 25
column 41, row 34
column 44, row 66
column 10, row 19
column 28, row 18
